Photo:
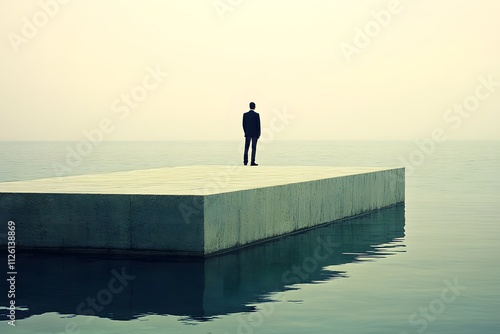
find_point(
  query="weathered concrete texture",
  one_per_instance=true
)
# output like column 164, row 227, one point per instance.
column 101, row 221
column 239, row 218
column 190, row 210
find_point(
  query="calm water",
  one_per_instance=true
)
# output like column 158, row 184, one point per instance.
column 430, row 266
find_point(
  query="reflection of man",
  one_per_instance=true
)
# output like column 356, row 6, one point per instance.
column 251, row 126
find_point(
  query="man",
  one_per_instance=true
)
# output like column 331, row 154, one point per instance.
column 251, row 126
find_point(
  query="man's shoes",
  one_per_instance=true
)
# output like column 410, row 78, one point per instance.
column 254, row 164
column 245, row 163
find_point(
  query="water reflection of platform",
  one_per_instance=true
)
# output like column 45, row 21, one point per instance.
column 196, row 210
column 202, row 288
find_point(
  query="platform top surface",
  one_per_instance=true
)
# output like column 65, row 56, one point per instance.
column 190, row 180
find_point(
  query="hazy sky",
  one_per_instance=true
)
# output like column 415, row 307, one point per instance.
column 186, row 70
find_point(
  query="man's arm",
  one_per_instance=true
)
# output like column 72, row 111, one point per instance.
column 258, row 125
column 244, row 125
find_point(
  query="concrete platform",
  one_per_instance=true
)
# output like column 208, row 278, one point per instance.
column 197, row 210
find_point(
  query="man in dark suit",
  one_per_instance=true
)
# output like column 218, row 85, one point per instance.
column 251, row 126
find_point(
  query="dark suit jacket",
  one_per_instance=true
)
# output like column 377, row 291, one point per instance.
column 251, row 124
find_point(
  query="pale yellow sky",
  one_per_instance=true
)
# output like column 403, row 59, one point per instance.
column 186, row 70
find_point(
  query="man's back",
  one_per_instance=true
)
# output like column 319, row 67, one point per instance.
column 251, row 124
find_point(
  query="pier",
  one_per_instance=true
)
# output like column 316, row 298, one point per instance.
column 192, row 211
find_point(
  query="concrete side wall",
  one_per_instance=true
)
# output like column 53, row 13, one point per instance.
column 167, row 223
column 68, row 220
column 238, row 218
column 121, row 222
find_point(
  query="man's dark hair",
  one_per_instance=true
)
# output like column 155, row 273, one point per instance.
column 252, row 105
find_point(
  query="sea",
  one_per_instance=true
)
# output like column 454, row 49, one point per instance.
column 430, row 265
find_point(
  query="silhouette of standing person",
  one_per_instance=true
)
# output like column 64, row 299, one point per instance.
column 251, row 126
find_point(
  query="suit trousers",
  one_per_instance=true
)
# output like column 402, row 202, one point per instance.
column 247, row 146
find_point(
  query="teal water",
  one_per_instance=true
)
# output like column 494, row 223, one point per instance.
column 430, row 266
